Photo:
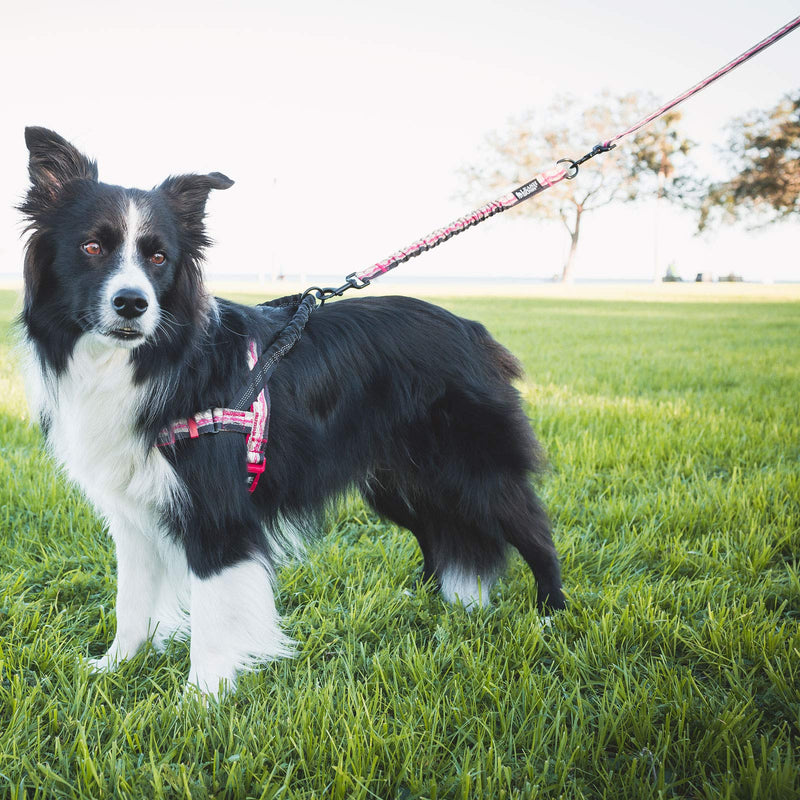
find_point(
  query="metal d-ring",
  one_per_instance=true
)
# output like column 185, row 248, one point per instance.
column 573, row 165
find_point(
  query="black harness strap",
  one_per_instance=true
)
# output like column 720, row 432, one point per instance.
column 281, row 345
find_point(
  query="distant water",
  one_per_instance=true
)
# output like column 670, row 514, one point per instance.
column 399, row 277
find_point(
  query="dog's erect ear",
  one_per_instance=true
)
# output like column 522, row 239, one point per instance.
column 54, row 162
column 188, row 193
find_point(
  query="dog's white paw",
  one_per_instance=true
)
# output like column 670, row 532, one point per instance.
column 113, row 658
column 107, row 663
column 207, row 690
column 191, row 696
column 545, row 622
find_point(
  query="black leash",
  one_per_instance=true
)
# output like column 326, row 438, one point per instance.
column 262, row 370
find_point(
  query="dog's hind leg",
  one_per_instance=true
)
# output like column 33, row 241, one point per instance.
column 460, row 559
column 467, row 575
column 390, row 502
column 491, row 455
column 465, row 518
column 525, row 526
column 466, row 546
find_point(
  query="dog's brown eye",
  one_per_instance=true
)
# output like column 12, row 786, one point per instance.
column 92, row 248
column 158, row 258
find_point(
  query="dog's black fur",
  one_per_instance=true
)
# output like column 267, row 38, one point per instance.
column 406, row 402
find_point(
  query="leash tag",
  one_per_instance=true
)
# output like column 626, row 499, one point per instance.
column 526, row 190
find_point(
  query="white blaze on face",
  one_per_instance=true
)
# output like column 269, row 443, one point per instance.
column 130, row 275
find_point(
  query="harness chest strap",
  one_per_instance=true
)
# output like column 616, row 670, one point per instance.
column 254, row 424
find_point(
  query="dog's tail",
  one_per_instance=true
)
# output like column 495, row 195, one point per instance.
column 504, row 363
column 508, row 364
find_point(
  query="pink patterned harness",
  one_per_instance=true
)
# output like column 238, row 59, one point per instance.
column 253, row 423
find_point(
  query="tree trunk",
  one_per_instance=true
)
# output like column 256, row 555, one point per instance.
column 566, row 273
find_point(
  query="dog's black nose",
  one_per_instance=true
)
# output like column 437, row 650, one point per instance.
column 129, row 303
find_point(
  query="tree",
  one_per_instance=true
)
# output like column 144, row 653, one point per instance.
column 536, row 140
column 763, row 153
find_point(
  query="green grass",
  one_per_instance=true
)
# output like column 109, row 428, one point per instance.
column 673, row 436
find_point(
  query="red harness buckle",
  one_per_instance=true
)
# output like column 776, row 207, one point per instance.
column 256, row 471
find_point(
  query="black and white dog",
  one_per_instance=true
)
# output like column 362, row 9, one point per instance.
column 397, row 398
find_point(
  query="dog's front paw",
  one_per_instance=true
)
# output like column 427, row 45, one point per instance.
column 106, row 663
column 193, row 696
column 112, row 659
column 208, row 685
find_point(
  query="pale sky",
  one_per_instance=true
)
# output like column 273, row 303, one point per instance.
column 344, row 124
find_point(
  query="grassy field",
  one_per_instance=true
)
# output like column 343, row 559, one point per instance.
column 673, row 435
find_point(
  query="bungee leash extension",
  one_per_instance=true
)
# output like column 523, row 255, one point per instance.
column 541, row 182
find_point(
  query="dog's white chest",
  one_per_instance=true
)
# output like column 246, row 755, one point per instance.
column 92, row 409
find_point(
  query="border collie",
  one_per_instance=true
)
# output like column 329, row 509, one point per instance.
column 398, row 399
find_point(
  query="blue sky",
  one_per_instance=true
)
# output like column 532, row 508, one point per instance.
column 344, row 124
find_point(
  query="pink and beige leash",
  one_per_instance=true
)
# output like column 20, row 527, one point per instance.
column 538, row 184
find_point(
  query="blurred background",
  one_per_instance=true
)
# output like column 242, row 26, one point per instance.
column 353, row 128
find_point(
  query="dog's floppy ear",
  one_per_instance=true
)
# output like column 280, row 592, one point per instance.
column 188, row 193
column 54, row 163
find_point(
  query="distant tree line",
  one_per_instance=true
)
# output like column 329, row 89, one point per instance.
column 762, row 160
